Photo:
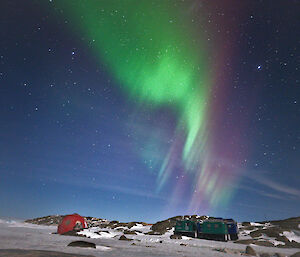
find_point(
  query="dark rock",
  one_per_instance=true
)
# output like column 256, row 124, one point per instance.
column 293, row 244
column 183, row 244
column 256, row 233
column 297, row 254
column 282, row 239
column 246, row 223
column 125, row 238
column 131, row 224
column 175, row 237
column 248, row 228
column 82, row 244
column 154, row 233
column 250, row 251
column 271, row 232
column 219, row 250
column 245, row 241
column 287, row 224
column 163, row 226
column 133, row 244
column 160, row 241
column 46, row 220
column 263, row 243
column 129, row 232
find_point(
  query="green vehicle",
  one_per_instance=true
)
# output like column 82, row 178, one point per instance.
column 214, row 229
column 185, row 228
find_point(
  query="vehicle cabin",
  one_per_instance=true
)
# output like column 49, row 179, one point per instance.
column 214, row 229
column 185, row 228
column 233, row 229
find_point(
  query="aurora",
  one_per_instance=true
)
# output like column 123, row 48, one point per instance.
column 158, row 62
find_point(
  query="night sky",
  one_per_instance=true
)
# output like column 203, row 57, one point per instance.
column 143, row 110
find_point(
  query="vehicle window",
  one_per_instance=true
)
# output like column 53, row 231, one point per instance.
column 216, row 225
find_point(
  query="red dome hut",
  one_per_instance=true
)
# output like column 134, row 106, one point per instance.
column 71, row 222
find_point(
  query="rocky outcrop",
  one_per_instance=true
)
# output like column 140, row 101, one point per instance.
column 266, row 233
column 162, row 227
column 250, row 251
column 46, row 220
column 175, row 237
column 82, row 244
column 124, row 238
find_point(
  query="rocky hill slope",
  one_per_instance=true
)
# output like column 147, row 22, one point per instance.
column 277, row 233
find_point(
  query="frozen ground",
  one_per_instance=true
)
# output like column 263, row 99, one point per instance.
column 19, row 235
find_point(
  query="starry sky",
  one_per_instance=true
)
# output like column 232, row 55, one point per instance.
column 143, row 110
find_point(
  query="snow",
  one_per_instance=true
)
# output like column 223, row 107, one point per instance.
column 141, row 227
column 256, row 224
column 97, row 233
column 271, row 240
column 19, row 235
column 290, row 235
column 102, row 248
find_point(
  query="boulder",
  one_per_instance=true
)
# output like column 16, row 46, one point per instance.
column 175, row 237
column 264, row 243
column 250, row 251
column 82, row 244
column 124, row 238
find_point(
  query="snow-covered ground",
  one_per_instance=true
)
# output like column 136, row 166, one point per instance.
column 19, row 235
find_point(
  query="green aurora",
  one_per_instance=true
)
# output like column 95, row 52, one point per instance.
column 153, row 50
